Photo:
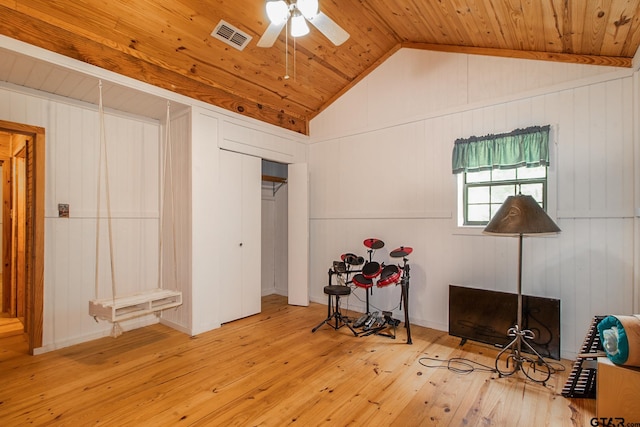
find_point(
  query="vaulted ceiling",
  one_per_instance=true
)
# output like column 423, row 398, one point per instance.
column 168, row 43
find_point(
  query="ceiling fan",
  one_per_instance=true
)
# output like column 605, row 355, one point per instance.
column 300, row 11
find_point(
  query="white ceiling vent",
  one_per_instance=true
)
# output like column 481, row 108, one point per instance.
column 231, row 35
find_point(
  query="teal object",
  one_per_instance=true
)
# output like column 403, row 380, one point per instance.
column 614, row 339
column 522, row 147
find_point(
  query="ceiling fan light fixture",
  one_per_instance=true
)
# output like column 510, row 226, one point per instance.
column 299, row 25
column 299, row 12
column 309, row 8
column 277, row 11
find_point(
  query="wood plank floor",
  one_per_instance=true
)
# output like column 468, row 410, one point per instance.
column 270, row 370
column 10, row 326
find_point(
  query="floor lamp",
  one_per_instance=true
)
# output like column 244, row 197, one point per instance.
column 518, row 216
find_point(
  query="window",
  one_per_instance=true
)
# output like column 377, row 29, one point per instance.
column 493, row 167
column 484, row 192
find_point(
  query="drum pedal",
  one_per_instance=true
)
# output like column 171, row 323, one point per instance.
column 393, row 322
column 360, row 321
column 380, row 322
column 371, row 320
column 390, row 320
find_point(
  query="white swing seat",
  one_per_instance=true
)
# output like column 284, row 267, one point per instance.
column 126, row 307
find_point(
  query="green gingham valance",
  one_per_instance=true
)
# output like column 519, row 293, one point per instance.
column 521, row 147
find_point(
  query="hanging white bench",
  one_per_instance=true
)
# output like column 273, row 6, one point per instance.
column 126, row 307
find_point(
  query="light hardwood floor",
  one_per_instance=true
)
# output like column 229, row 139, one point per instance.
column 10, row 326
column 270, row 370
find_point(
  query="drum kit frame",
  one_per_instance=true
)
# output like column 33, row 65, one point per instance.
column 374, row 323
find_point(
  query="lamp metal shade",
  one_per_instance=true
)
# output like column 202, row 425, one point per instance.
column 520, row 215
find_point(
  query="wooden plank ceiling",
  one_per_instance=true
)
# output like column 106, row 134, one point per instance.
column 167, row 43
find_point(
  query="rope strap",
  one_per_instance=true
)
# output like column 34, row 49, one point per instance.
column 167, row 165
column 103, row 154
column 104, row 164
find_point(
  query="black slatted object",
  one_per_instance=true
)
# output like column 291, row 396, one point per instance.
column 582, row 379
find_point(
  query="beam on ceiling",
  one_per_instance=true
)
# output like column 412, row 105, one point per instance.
column 42, row 34
column 611, row 61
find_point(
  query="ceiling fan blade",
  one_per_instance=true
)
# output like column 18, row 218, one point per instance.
column 329, row 28
column 271, row 34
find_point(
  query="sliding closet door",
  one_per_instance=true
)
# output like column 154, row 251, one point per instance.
column 298, row 265
column 251, row 235
column 239, row 280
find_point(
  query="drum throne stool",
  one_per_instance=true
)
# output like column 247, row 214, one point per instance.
column 334, row 292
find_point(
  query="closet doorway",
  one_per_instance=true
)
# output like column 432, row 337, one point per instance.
column 274, row 228
column 22, row 159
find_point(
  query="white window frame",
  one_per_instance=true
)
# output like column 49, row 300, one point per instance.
column 552, row 192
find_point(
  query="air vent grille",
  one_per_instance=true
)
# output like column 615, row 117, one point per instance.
column 231, row 35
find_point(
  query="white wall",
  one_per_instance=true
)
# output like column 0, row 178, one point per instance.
column 274, row 239
column 380, row 166
column 268, row 230
column 72, row 142
column 197, row 137
column 177, row 208
column 281, row 253
column 135, row 150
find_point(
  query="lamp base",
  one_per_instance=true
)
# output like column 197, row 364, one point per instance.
column 511, row 358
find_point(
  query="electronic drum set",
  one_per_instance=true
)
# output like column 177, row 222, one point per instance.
column 366, row 275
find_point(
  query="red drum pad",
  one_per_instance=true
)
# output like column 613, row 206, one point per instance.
column 390, row 274
column 362, row 282
column 371, row 270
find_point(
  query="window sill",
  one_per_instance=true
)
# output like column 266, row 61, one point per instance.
column 468, row 230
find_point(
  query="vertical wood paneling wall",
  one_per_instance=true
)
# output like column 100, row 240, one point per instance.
column 281, row 250
column 198, row 132
column 135, row 155
column 71, row 177
column 380, row 166
column 268, row 228
column 204, row 198
column 274, row 240
column 176, row 254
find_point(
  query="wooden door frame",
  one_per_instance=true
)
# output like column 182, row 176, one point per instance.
column 18, row 226
column 34, row 293
column 7, row 295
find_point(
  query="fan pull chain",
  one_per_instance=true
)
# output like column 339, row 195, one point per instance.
column 286, row 50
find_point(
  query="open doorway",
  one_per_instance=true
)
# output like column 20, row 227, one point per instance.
column 22, row 159
column 12, row 194
column 10, row 323
column 274, row 228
